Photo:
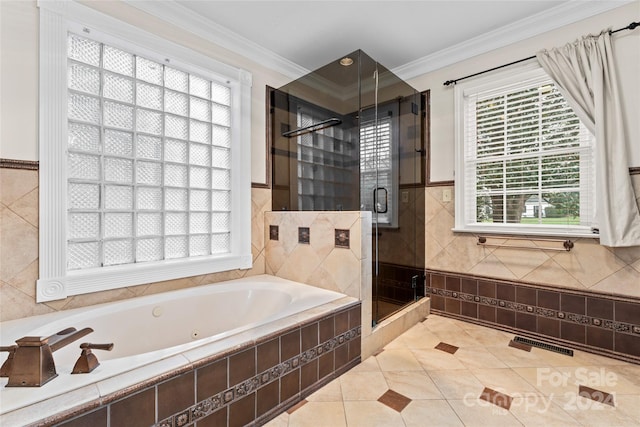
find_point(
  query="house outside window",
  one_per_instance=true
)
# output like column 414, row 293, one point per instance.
column 524, row 161
column 144, row 157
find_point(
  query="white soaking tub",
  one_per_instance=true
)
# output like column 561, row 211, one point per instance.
column 155, row 335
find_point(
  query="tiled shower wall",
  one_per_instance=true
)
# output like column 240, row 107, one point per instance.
column 19, row 252
column 323, row 261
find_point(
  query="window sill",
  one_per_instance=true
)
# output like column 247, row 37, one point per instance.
column 119, row 276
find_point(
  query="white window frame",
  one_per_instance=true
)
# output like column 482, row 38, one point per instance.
column 56, row 282
column 464, row 221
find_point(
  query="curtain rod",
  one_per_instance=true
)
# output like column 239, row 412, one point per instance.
column 631, row 26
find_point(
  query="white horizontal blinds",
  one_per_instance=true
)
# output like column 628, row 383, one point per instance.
column 148, row 159
column 528, row 158
column 376, row 155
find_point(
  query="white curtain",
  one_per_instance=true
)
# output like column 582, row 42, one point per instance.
column 584, row 72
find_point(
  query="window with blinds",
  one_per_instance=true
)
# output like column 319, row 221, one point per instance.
column 525, row 159
column 148, row 159
column 376, row 168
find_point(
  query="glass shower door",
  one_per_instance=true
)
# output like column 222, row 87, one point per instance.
column 392, row 189
column 347, row 137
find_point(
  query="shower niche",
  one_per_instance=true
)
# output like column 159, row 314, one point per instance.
column 348, row 137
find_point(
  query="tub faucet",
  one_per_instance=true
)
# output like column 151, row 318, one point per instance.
column 88, row 361
column 30, row 362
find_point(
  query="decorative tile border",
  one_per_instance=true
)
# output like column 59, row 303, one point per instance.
column 19, row 164
column 544, row 312
column 233, row 394
column 602, row 323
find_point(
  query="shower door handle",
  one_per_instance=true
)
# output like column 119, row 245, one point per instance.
column 380, row 206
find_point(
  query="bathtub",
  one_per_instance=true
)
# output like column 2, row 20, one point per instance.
column 157, row 335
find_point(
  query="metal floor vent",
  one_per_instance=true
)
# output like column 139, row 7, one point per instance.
column 544, row 346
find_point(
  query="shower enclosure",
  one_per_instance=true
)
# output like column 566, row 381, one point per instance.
column 348, row 136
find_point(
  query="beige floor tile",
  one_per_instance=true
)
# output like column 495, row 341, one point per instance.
column 457, row 384
column 538, row 410
column 629, row 405
column 543, row 384
column 593, row 414
column 557, row 359
column 412, row 384
column 430, row 412
column 371, row 414
column 442, row 324
column 547, row 381
column 432, row 359
column 459, row 339
column 420, row 337
column 370, row 364
column 475, row 412
column 515, row 358
column 486, row 336
column 319, row 414
column 503, row 380
column 398, row 360
column 600, row 378
column 363, row 385
column 281, row 420
column 331, row 392
column 478, row 357
column 629, row 372
column 597, row 360
column 396, row 344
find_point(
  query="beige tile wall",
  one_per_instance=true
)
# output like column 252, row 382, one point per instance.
column 587, row 266
column 320, row 263
column 19, row 252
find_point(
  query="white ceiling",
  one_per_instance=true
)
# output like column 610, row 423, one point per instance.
column 396, row 33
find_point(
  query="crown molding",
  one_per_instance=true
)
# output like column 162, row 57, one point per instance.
column 176, row 14
column 551, row 19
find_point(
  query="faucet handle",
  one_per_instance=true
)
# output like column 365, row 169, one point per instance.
column 5, row 370
column 91, row 346
column 88, row 361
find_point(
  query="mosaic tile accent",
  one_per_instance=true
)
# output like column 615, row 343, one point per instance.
column 236, row 392
column 499, row 399
column 394, row 400
column 304, row 235
column 596, row 395
column 342, row 238
column 592, row 321
column 274, row 232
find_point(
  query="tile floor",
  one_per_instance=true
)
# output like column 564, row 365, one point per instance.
column 417, row 381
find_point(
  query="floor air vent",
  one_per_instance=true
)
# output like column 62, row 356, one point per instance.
column 544, row 346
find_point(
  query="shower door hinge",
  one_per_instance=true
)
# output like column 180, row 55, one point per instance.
column 414, row 108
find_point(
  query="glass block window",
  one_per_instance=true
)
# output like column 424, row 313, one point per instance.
column 325, row 166
column 149, row 159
